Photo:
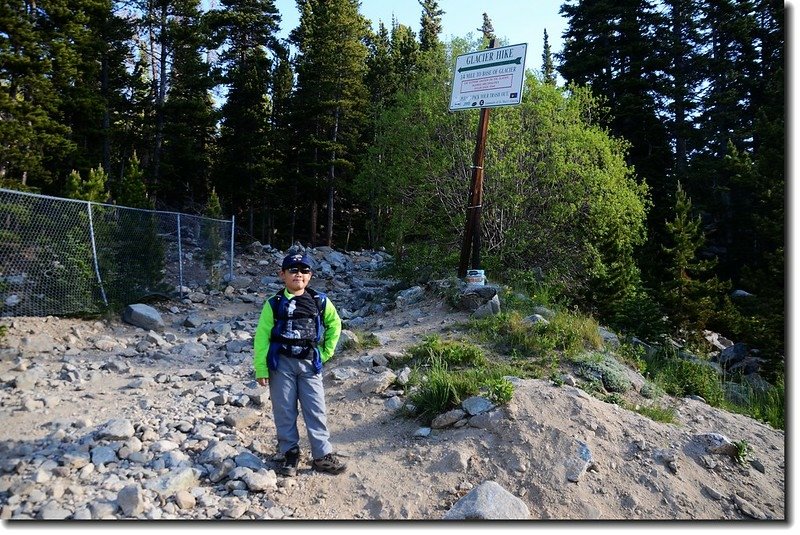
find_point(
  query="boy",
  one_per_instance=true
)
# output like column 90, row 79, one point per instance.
column 297, row 332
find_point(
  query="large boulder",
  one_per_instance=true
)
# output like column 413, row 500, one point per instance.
column 488, row 501
column 143, row 316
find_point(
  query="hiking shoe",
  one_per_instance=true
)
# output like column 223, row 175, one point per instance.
column 290, row 462
column 329, row 463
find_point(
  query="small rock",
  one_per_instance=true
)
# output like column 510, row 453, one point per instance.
column 185, row 499
column 131, row 500
column 448, row 418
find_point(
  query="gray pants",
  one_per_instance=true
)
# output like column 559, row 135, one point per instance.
column 294, row 381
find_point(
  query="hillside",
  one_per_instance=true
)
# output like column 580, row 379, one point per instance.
column 102, row 419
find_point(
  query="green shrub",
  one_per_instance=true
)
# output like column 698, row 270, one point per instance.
column 651, row 390
column 742, row 451
column 511, row 333
column 606, row 369
column 500, row 391
column 419, row 263
column 614, row 398
column 680, row 377
column 768, row 405
column 633, row 355
column 537, row 291
column 452, row 352
column 439, row 389
column 640, row 315
column 656, row 413
column 436, row 395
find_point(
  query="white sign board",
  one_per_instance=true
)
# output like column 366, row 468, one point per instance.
column 489, row 78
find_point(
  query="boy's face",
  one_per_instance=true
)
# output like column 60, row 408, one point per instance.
column 296, row 278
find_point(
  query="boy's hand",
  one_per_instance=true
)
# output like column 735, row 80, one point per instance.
column 262, row 381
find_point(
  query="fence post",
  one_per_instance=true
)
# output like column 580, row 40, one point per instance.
column 180, row 258
column 94, row 253
column 233, row 229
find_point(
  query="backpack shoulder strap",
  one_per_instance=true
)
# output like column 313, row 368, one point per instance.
column 319, row 298
column 274, row 301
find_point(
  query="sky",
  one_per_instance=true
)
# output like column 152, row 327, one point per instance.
column 518, row 21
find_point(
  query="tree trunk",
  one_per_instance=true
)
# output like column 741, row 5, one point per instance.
column 161, row 96
column 680, row 89
column 313, row 237
column 332, row 179
column 106, row 118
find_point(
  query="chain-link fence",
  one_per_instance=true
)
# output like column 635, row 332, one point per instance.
column 63, row 256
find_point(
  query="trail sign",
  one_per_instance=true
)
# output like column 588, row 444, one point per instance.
column 489, row 78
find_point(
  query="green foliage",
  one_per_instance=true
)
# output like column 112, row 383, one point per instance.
column 766, row 405
column 363, row 341
column 534, row 286
column 451, row 352
column 500, row 391
column 445, row 372
column 441, row 388
column 131, row 190
column 437, row 394
column 639, row 314
column 743, row 451
column 93, row 188
column 614, row 398
column 72, row 283
column 245, row 32
column 366, row 126
column 557, row 379
column 513, row 333
column 212, row 240
column 560, row 195
column 656, row 413
column 132, row 260
column 651, row 390
column 33, row 136
column 690, row 293
column 189, row 117
column 419, row 264
column 633, row 355
column 606, row 369
column 329, row 101
column 680, row 377
column 431, row 23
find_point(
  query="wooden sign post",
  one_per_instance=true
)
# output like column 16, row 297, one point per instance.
column 486, row 79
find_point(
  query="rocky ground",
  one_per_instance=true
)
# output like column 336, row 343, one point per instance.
column 103, row 419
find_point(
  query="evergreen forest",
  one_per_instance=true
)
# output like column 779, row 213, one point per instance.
column 642, row 177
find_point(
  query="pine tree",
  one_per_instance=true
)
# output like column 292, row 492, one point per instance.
column 92, row 188
column 247, row 29
column 431, row 25
column 743, row 51
column 405, row 55
column 681, row 34
column 276, row 214
column 89, row 43
column 691, row 292
column 31, row 135
column 487, row 28
column 610, row 47
column 189, row 128
column 330, row 98
column 131, row 190
column 212, row 239
column 548, row 68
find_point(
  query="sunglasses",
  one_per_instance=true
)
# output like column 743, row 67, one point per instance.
column 304, row 271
